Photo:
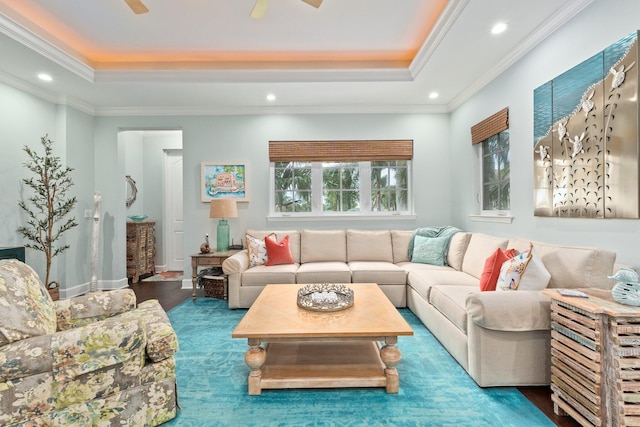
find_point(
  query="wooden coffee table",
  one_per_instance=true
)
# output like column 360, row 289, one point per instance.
column 307, row 349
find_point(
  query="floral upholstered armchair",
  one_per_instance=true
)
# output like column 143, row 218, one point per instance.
column 85, row 361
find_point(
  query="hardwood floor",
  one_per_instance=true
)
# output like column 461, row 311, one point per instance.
column 170, row 294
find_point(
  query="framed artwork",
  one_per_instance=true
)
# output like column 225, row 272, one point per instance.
column 223, row 181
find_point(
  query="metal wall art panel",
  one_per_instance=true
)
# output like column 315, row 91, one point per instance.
column 586, row 144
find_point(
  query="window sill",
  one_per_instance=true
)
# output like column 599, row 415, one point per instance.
column 381, row 217
column 501, row 219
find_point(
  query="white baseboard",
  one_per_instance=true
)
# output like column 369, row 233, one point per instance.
column 83, row 288
column 187, row 284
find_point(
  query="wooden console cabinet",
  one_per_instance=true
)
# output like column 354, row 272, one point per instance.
column 141, row 249
column 595, row 359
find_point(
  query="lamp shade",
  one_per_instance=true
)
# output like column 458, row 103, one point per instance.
column 223, row 208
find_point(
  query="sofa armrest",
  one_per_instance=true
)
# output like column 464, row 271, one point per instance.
column 509, row 310
column 162, row 342
column 92, row 307
column 236, row 263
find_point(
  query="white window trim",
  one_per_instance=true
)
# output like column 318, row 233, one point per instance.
column 316, row 190
column 496, row 216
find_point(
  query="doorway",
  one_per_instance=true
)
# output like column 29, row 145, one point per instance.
column 153, row 158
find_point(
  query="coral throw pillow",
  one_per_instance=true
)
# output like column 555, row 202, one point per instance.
column 492, row 266
column 278, row 252
column 525, row 272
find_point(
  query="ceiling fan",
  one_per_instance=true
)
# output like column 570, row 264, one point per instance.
column 137, row 6
column 257, row 12
column 261, row 7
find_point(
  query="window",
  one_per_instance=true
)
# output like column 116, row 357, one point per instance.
column 342, row 184
column 495, row 172
column 493, row 135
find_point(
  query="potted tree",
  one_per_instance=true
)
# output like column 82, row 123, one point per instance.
column 48, row 206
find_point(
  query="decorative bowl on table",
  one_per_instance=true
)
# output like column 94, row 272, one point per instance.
column 137, row 218
column 325, row 297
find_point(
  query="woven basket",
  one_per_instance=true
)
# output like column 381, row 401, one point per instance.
column 55, row 293
column 214, row 287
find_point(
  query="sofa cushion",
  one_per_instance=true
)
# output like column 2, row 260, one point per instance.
column 480, row 247
column 382, row 273
column 573, row 266
column 96, row 346
column 450, row 300
column 457, row 249
column 27, row 309
column 423, row 280
column 323, row 272
column 323, row 246
column 262, row 275
column 400, row 241
column 278, row 252
column 369, row 245
column 294, row 239
column 523, row 272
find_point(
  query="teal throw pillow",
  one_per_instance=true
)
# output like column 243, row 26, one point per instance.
column 430, row 250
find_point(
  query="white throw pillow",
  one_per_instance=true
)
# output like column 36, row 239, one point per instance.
column 524, row 272
column 257, row 250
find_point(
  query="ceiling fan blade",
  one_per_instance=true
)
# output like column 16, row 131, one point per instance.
column 137, row 6
column 259, row 9
column 314, row 3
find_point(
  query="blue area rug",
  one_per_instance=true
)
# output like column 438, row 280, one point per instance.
column 434, row 389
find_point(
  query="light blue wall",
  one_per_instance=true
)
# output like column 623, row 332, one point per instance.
column 245, row 139
column 596, row 27
column 24, row 119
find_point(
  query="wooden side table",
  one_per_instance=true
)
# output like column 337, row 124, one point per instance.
column 595, row 358
column 212, row 259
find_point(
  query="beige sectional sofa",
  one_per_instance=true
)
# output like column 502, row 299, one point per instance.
column 500, row 338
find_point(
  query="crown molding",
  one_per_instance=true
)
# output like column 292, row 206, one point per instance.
column 444, row 23
column 564, row 15
column 46, row 95
column 254, row 76
column 272, row 110
column 45, row 48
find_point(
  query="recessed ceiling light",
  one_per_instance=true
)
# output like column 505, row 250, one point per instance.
column 271, row 97
column 433, row 95
column 500, row 27
column 45, row 77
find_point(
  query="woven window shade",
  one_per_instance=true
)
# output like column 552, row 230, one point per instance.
column 490, row 126
column 318, row 151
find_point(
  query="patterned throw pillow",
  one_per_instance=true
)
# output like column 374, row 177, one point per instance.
column 27, row 309
column 257, row 250
column 524, row 272
column 429, row 250
column 492, row 266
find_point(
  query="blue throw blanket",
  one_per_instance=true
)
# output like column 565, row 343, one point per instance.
column 446, row 231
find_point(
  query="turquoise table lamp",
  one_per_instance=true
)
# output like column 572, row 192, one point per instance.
column 223, row 209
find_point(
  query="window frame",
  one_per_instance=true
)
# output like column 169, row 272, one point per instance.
column 317, row 197
column 491, row 215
